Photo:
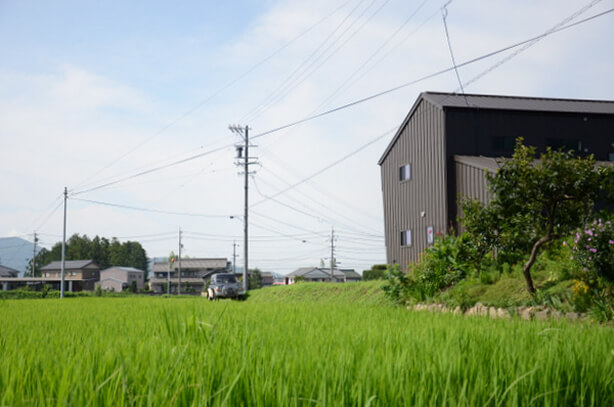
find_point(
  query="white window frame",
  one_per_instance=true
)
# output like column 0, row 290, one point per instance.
column 406, row 238
column 405, row 172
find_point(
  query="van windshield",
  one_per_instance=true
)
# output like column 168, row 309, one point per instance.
column 226, row 278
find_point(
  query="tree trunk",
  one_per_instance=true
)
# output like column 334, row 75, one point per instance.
column 527, row 267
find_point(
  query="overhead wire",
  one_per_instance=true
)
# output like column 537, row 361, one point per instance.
column 271, row 96
column 159, row 211
column 350, row 104
column 215, row 93
column 426, row 77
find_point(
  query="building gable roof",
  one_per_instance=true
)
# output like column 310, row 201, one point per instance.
column 193, row 263
column 500, row 102
column 8, row 272
column 126, row 269
column 69, row 265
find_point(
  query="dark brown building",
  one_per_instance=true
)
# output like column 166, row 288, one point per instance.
column 447, row 140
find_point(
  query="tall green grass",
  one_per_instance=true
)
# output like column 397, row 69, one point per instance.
column 187, row 351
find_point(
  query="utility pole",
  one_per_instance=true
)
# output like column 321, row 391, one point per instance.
column 244, row 149
column 332, row 254
column 34, row 256
column 179, row 282
column 168, row 279
column 234, row 257
column 64, row 245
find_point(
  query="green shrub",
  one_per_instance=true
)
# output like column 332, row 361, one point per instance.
column 593, row 249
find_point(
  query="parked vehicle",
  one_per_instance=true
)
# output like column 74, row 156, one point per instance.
column 224, row 285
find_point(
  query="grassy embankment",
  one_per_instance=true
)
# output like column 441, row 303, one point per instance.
column 303, row 345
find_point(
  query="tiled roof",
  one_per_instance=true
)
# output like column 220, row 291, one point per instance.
column 8, row 272
column 68, row 265
column 195, row 264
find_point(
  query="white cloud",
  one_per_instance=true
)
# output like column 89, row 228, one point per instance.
column 62, row 123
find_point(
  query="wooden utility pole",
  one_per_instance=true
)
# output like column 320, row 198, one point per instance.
column 34, row 256
column 332, row 254
column 179, row 265
column 64, row 245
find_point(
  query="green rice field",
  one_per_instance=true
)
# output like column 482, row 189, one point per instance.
column 285, row 348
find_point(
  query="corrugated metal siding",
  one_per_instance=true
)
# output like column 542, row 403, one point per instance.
column 470, row 182
column 421, row 144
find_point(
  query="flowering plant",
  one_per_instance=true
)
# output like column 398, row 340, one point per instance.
column 593, row 249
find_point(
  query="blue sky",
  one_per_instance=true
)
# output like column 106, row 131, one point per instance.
column 93, row 91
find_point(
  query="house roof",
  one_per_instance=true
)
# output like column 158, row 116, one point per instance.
column 501, row 102
column 351, row 274
column 480, row 162
column 175, row 280
column 523, row 103
column 314, row 272
column 127, row 269
column 8, row 272
column 198, row 264
column 68, row 265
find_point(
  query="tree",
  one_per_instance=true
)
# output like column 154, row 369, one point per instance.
column 40, row 262
column 254, row 279
column 537, row 201
column 98, row 249
column 377, row 272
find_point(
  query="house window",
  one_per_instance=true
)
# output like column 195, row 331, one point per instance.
column 611, row 157
column 405, row 172
column 406, row 238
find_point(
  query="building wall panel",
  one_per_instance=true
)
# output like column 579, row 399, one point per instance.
column 420, row 202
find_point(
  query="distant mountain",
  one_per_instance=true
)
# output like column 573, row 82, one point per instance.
column 16, row 252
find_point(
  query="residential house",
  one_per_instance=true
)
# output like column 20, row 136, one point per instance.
column 320, row 274
column 195, row 272
column 267, row 278
column 78, row 274
column 118, row 278
column 447, row 140
column 8, row 272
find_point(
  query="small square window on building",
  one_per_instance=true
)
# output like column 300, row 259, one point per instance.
column 406, row 238
column 611, row 156
column 404, row 172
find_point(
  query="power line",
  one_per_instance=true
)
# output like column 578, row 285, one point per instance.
column 214, row 94
column 429, row 76
column 345, row 157
column 161, row 167
column 134, row 208
column 311, row 68
column 351, row 104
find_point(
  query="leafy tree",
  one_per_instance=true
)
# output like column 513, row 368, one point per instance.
column 377, row 272
column 254, row 279
column 538, row 201
column 103, row 252
column 41, row 257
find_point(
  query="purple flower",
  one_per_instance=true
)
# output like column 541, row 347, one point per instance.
column 592, row 250
column 589, row 232
column 610, row 241
column 571, row 258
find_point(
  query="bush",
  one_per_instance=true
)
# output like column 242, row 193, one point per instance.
column 442, row 265
column 593, row 249
column 377, row 272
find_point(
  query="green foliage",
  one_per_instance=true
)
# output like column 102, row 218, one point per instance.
column 254, row 279
column 397, row 285
column 441, row 266
column 377, row 272
column 535, row 202
column 299, row 279
column 593, row 249
column 103, row 252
